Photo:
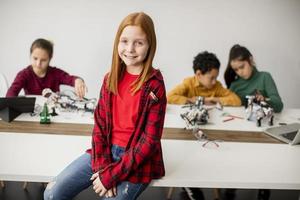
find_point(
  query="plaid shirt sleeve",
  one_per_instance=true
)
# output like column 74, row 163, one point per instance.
column 101, row 154
column 147, row 144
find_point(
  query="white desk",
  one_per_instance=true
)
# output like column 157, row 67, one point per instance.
column 173, row 119
column 39, row 157
column 215, row 120
column 174, row 125
column 231, row 165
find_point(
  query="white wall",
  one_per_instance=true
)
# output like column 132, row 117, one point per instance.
column 83, row 34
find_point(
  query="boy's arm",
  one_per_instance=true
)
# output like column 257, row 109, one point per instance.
column 178, row 95
column 227, row 97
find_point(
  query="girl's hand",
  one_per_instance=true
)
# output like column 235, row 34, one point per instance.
column 98, row 186
column 80, row 88
column 259, row 97
column 111, row 192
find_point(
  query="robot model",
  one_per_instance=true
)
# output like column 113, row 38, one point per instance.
column 197, row 115
column 258, row 110
column 67, row 101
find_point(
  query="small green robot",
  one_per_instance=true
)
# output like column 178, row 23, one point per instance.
column 44, row 115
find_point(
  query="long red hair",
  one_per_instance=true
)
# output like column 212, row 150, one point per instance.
column 118, row 67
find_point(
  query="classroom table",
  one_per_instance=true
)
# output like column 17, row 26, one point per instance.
column 245, row 156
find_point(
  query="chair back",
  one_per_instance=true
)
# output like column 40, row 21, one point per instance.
column 3, row 85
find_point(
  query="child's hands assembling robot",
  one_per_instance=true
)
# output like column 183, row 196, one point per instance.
column 80, row 88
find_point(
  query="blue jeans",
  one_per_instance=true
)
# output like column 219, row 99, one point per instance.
column 76, row 177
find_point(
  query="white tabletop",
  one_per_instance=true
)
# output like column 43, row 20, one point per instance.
column 231, row 165
column 78, row 117
column 173, row 119
column 215, row 121
column 40, row 157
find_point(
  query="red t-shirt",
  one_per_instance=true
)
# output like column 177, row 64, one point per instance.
column 125, row 107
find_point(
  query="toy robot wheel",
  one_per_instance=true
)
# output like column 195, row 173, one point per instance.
column 271, row 121
column 258, row 122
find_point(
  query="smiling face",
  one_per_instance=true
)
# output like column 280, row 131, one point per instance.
column 133, row 48
column 242, row 68
column 208, row 79
column 39, row 61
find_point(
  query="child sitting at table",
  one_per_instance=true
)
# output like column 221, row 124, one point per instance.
column 204, row 83
column 243, row 78
column 39, row 75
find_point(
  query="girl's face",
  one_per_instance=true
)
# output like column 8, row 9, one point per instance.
column 132, row 48
column 209, row 79
column 242, row 68
column 39, row 60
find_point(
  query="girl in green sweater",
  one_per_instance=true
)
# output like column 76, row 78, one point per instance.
column 242, row 77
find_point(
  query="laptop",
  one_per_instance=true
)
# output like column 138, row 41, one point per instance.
column 12, row 107
column 289, row 133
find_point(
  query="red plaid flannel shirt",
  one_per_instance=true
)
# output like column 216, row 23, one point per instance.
column 142, row 160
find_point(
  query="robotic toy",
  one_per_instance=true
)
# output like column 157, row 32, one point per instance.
column 197, row 115
column 257, row 110
column 68, row 101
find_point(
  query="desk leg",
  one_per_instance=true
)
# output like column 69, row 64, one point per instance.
column 25, row 185
column 170, row 192
column 216, row 192
column 2, row 184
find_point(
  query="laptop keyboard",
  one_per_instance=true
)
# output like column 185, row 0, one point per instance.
column 290, row 136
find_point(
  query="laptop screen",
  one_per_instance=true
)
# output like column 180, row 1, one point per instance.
column 11, row 107
column 20, row 104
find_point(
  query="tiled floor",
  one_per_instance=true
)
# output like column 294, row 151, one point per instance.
column 14, row 191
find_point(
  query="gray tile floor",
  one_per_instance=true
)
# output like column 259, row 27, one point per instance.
column 14, row 191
